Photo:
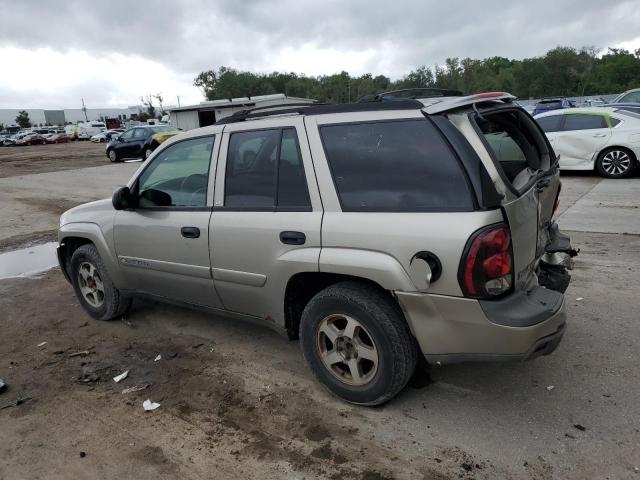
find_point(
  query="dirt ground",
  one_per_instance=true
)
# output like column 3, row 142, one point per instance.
column 16, row 161
column 237, row 401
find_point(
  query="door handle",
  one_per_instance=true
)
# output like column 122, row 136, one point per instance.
column 293, row 238
column 190, row 232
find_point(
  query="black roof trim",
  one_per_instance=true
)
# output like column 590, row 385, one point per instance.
column 321, row 109
column 411, row 93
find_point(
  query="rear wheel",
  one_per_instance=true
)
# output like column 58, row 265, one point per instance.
column 357, row 343
column 93, row 286
column 147, row 153
column 615, row 163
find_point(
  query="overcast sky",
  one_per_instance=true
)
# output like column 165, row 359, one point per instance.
column 112, row 52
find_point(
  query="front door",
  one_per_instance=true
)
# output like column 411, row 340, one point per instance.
column 163, row 243
column 267, row 213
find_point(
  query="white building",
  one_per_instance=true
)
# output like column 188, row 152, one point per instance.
column 208, row 112
column 73, row 115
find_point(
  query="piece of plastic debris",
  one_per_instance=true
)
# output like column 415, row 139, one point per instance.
column 551, row 387
column 159, row 357
column 122, row 376
column 149, row 405
column 83, row 454
column 41, row 344
column 16, row 403
column 79, row 354
column 135, row 388
column 579, row 298
column 579, row 427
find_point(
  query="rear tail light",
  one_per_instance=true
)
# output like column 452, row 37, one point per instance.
column 486, row 270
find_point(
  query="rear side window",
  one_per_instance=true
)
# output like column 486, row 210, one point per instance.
column 265, row 171
column 394, row 166
column 579, row 121
column 550, row 123
column 614, row 122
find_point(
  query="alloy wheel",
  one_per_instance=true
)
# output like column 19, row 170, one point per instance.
column 90, row 284
column 347, row 350
column 616, row 162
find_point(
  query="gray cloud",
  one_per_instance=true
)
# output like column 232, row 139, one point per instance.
column 194, row 35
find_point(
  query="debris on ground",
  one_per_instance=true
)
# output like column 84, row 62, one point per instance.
column 88, row 375
column 550, row 387
column 579, row 299
column 3, row 385
column 120, row 377
column 83, row 454
column 158, row 358
column 149, row 405
column 579, row 427
column 82, row 353
column 197, row 345
column 18, row 401
column 135, row 388
column 41, row 344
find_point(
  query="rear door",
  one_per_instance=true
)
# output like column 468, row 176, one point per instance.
column 526, row 163
column 581, row 137
column 267, row 214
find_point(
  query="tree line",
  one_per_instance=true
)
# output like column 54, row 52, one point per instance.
column 562, row 71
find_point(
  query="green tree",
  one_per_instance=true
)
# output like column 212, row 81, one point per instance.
column 22, row 120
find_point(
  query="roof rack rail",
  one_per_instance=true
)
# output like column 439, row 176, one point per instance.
column 320, row 109
column 411, row 93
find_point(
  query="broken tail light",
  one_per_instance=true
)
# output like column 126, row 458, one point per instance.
column 486, row 270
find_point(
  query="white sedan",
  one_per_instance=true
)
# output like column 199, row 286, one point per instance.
column 606, row 139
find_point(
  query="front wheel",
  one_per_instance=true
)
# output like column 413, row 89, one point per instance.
column 93, row 286
column 113, row 156
column 357, row 343
column 615, row 163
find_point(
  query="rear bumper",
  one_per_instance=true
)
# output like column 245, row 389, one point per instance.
column 517, row 328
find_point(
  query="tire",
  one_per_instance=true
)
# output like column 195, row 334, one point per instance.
column 147, row 153
column 382, row 331
column 113, row 156
column 88, row 273
column 615, row 162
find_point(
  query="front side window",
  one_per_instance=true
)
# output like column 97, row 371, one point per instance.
column 394, row 166
column 551, row 123
column 580, row 121
column 127, row 135
column 265, row 171
column 178, row 176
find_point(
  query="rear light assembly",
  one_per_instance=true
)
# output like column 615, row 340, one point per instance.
column 486, row 269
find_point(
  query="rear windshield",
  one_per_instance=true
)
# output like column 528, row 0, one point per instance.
column 394, row 166
column 511, row 141
column 162, row 128
column 549, row 103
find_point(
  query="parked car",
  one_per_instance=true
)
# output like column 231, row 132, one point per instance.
column 107, row 135
column 31, row 139
column 592, row 102
column 11, row 140
column 548, row 104
column 602, row 138
column 58, row 138
column 373, row 232
column 137, row 142
column 630, row 96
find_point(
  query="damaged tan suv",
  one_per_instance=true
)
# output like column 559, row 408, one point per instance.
column 374, row 232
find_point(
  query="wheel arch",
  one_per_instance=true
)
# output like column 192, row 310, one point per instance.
column 302, row 287
column 74, row 235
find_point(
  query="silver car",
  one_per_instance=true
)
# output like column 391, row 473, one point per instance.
column 374, row 232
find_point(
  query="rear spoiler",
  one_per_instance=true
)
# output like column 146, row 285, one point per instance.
column 434, row 105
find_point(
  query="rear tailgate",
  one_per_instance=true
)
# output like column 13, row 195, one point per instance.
column 525, row 171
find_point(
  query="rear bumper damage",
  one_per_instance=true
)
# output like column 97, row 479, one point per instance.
column 557, row 260
column 519, row 327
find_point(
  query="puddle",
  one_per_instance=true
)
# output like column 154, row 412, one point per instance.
column 28, row 262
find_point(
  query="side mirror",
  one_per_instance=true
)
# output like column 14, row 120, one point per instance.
column 122, row 199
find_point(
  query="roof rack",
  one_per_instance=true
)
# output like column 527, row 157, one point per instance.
column 320, row 109
column 411, row 93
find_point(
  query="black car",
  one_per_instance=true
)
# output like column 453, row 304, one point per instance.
column 137, row 142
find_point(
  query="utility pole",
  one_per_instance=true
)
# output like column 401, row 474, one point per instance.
column 178, row 101
column 84, row 110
